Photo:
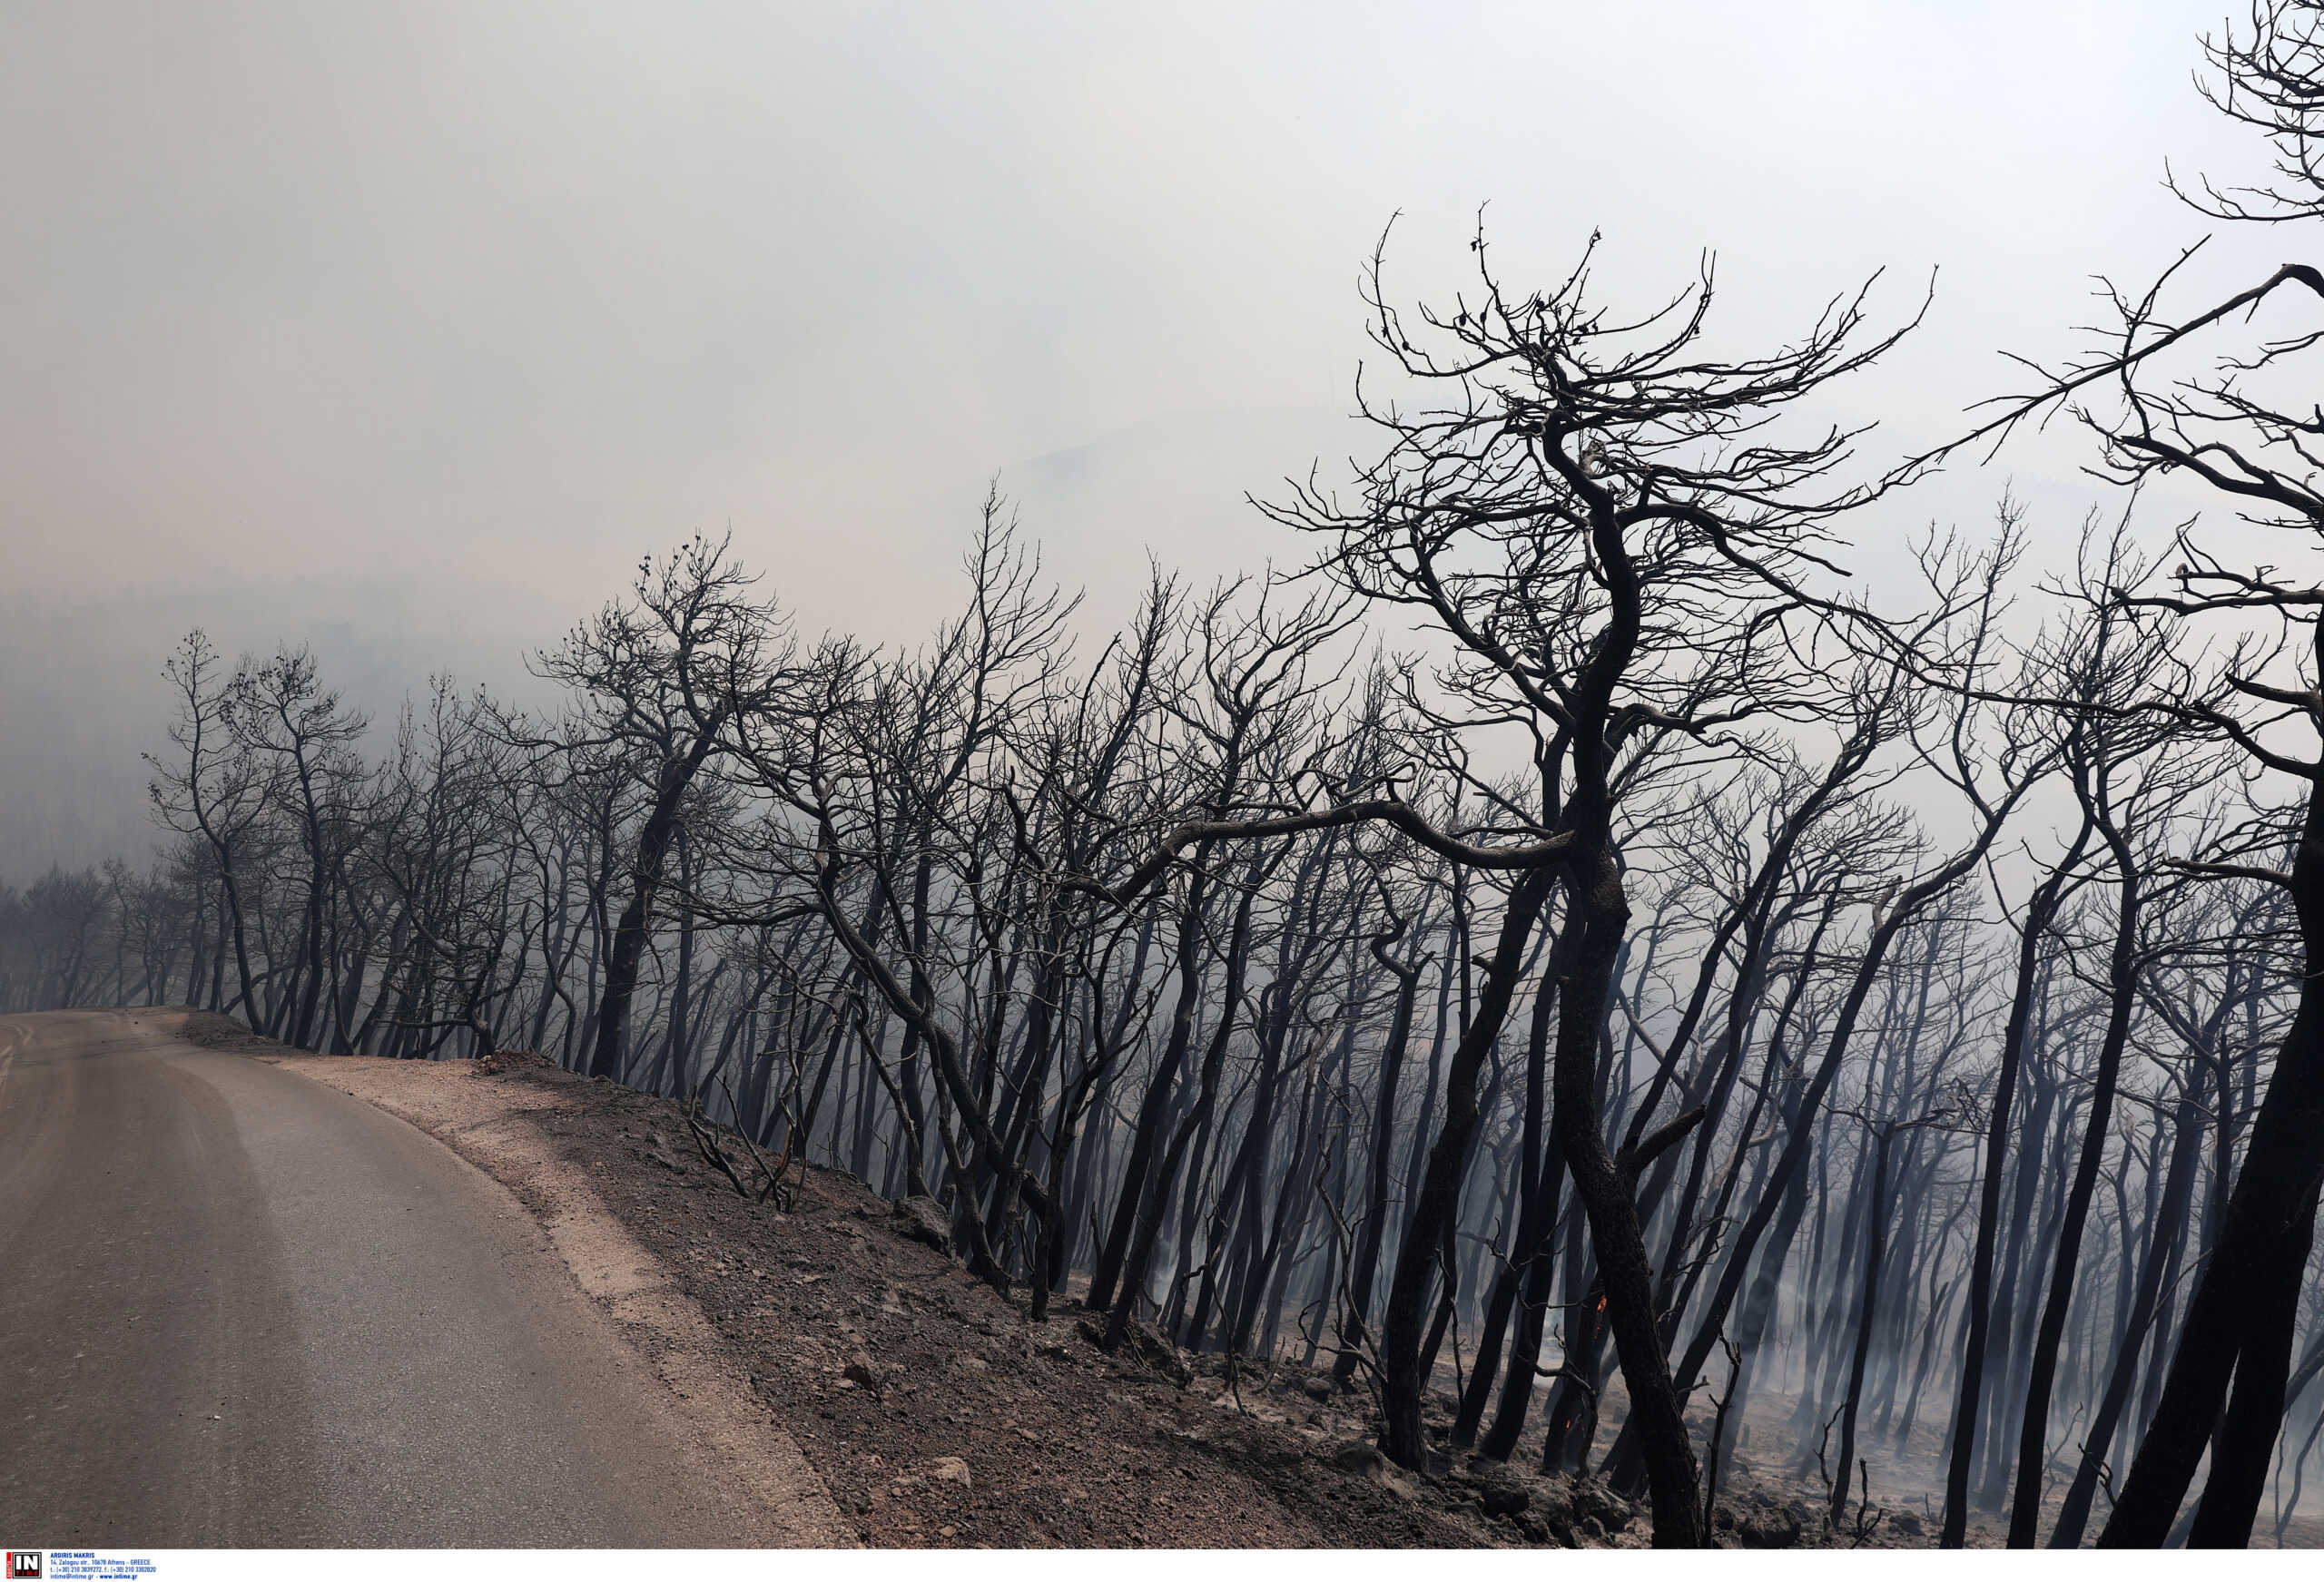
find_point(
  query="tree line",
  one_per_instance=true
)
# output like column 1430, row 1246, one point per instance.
column 1674, row 1003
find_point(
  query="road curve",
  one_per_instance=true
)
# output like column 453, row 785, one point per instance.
column 242, row 1309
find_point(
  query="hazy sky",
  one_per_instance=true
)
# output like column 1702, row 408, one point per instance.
column 471, row 305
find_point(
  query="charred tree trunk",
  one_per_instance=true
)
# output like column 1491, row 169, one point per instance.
column 1433, row 1213
column 630, row 935
column 2178, row 1197
column 1868, row 1305
column 1153, row 1109
column 1365, row 1270
column 2033, row 1448
column 2041, row 912
column 1604, row 1185
column 2237, row 1305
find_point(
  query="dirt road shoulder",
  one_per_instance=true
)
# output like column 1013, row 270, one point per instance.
column 506, row 1129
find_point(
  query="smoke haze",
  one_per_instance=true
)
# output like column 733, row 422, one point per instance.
column 407, row 330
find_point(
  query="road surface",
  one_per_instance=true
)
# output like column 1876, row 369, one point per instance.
column 242, row 1309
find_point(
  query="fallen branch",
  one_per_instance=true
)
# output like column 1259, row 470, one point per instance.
column 712, row 1152
column 774, row 1173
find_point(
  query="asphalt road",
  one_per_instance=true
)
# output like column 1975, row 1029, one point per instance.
column 241, row 1309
